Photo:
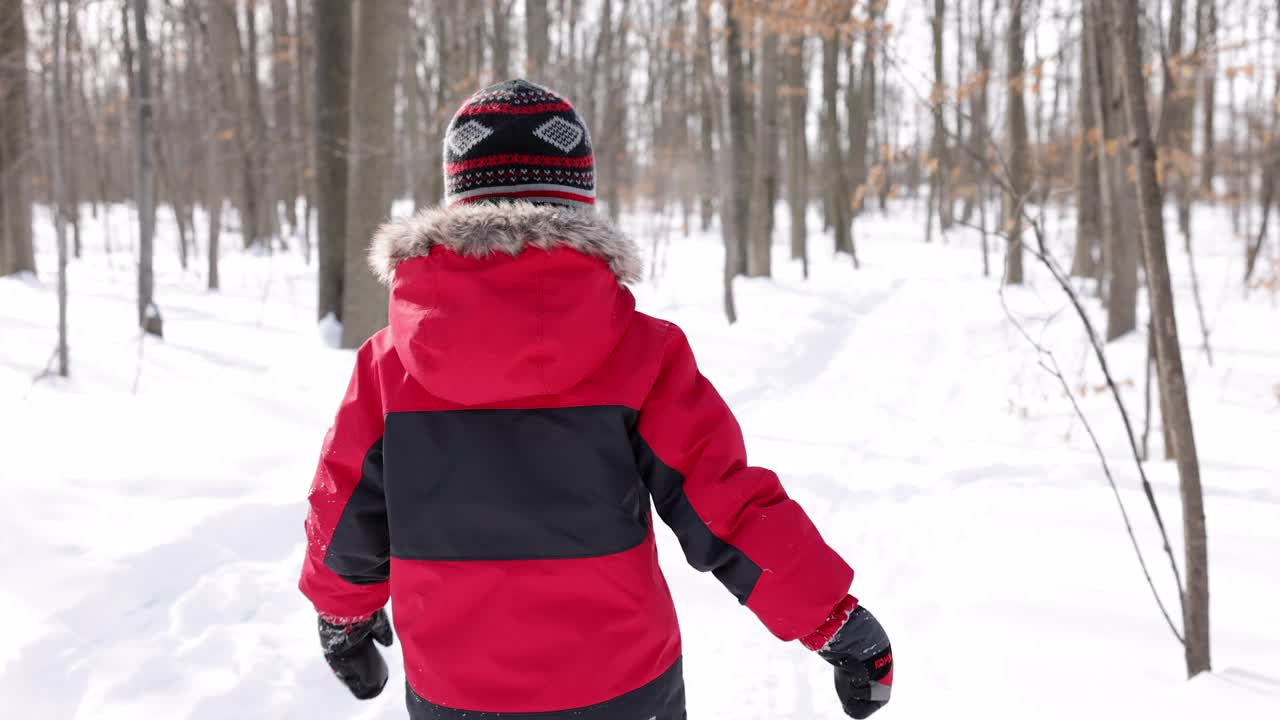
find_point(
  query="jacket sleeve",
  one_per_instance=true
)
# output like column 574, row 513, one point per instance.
column 731, row 519
column 348, row 557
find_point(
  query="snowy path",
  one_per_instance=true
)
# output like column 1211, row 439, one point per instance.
column 156, row 539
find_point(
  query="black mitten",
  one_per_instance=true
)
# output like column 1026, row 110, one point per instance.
column 350, row 652
column 863, row 658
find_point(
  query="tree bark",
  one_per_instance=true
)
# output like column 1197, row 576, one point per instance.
column 535, row 38
column 370, row 190
column 71, row 135
column 57, row 110
column 148, row 315
column 1206, row 39
column 797, row 149
column 285, row 147
column 706, row 117
column 260, row 198
column 1089, row 199
column 978, row 130
column 1172, row 381
column 306, row 122
column 737, row 209
column 939, row 190
column 765, row 176
column 411, row 131
column 500, row 12
column 864, row 109
column 17, row 251
column 206, row 123
column 1173, row 141
column 1019, row 176
column 1120, row 237
column 332, row 140
column 613, row 145
column 839, row 198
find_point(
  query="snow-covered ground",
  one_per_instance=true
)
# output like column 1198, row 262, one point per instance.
column 153, row 503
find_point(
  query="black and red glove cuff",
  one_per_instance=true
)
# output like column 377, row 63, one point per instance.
column 819, row 638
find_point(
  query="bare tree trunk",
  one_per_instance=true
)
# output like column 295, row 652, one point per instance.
column 79, row 112
column 1172, row 381
column 737, row 209
column 56, row 110
column 838, row 196
column 863, row 110
column 332, row 144
column 17, row 251
column 411, row 132
column 797, row 148
column 148, row 314
column 377, row 26
column 765, row 176
column 1206, row 39
column 939, row 192
column 618, row 79
column 500, row 11
column 285, row 146
column 979, row 132
column 1089, row 202
column 1173, row 140
column 1016, row 117
column 536, row 28
column 306, row 123
column 1120, row 252
column 260, row 198
column 706, row 116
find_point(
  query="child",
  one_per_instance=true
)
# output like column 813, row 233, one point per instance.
column 495, row 463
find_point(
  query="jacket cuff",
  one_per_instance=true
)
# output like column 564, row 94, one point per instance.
column 819, row 638
column 344, row 620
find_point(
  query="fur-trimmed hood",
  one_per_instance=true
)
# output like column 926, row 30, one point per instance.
column 481, row 321
column 481, row 229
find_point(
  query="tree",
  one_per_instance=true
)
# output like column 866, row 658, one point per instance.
column 765, row 176
column 536, row 45
column 1016, row 119
column 332, row 124
column 863, row 107
column 1088, row 196
column 285, row 146
column 501, row 13
column 1174, row 137
column 148, row 314
column 1119, row 236
column 208, row 124
column 979, row 138
column 939, row 192
column 736, row 210
column 56, row 108
column 1172, row 380
column 303, row 58
column 375, row 50
column 839, row 196
column 17, row 252
column 261, row 219
column 1206, row 32
column 707, row 100
column 797, row 147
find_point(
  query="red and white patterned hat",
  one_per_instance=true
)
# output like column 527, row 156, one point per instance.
column 517, row 140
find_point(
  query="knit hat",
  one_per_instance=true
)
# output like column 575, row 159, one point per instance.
column 517, row 140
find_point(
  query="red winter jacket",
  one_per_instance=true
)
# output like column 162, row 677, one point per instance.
column 493, row 466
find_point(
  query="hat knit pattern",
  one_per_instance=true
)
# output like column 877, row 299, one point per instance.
column 520, row 141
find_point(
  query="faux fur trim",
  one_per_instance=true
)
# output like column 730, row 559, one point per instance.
column 479, row 229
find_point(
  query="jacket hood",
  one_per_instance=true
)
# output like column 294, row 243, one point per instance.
column 498, row 302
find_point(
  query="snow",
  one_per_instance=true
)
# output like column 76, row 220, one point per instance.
column 154, row 501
